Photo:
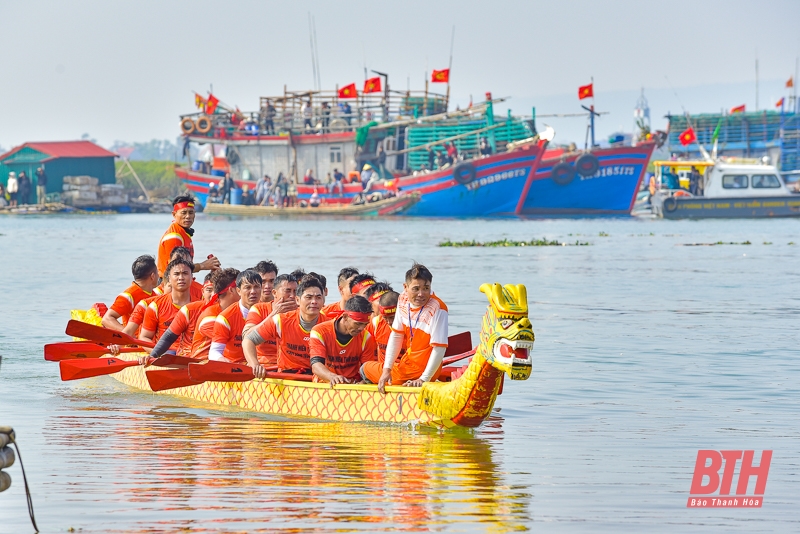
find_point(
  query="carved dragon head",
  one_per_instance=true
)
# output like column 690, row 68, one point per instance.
column 506, row 337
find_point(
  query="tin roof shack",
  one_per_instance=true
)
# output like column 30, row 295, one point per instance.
column 60, row 159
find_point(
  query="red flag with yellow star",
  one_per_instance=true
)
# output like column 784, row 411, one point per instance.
column 586, row 91
column 373, row 85
column 211, row 104
column 737, row 109
column 348, row 91
column 779, row 103
column 441, row 76
column 687, row 137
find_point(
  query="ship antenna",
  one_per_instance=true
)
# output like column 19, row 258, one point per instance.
column 311, row 40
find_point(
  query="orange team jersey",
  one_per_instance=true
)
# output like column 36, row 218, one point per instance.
column 184, row 324
column 267, row 351
column 291, row 339
column 175, row 236
column 228, row 331
column 137, row 315
column 196, row 291
column 158, row 317
column 422, row 329
column 127, row 301
column 335, row 307
column 204, row 331
column 380, row 331
column 345, row 359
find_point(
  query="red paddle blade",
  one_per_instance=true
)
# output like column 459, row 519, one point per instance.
column 169, row 360
column 170, row 379
column 102, row 335
column 220, row 372
column 73, row 350
column 458, row 343
column 87, row 368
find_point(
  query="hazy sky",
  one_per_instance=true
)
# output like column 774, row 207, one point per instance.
column 126, row 70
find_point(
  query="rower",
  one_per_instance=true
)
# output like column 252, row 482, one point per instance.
column 345, row 275
column 224, row 284
column 162, row 310
column 179, row 234
column 208, row 288
column 380, row 326
column 375, row 292
column 183, row 325
column 338, row 348
column 196, row 288
column 226, row 342
column 421, row 320
column 290, row 331
column 136, row 319
column 268, row 271
column 360, row 283
column 145, row 279
column 283, row 300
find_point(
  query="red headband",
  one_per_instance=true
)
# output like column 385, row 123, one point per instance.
column 378, row 294
column 354, row 315
column 215, row 297
column 362, row 285
column 388, row 310
column 208, row 284
column 180, row 205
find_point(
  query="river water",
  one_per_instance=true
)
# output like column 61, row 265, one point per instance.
column 647, row 350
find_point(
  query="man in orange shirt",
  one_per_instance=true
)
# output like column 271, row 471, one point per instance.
column 421, row 321
column 226, row 342
column 338, row 348
column 179, row 234
column 225, row 294
column 183, row 325
column 375, row 292
column 268, row 272
column 380, row 326
column 345, row 275
column 291, row 331
column 283, row 295
column 196, row 289
column 161, row 311
column 145, row 279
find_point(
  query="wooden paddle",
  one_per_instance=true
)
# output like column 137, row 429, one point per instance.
column 106, row 336
column 89, row 367
column 71, row 350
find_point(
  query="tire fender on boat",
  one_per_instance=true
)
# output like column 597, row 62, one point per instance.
column 563, row 173
column 464, row 173
column 203, row 125
column 670, row 204
column 187, row 126
column 587, row 164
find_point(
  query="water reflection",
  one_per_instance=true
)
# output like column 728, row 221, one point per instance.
column 180, row 464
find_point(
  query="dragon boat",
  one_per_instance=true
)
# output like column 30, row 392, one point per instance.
column 505, row 342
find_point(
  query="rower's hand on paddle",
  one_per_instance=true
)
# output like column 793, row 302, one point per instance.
column 386, row 378
column 113, row 349
column 283, row 306
column 144, row 358
column 338, row 379
column 414, row 383
column 259, row 371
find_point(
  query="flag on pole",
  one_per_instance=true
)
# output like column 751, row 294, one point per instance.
column 348, row 91
column 779, row 103
column 199, row 101
column 373, row 85
column 737, row 109
column 687, row 137
column 790, row 82
column 586, row 91
column 441, row 76
column 211, row 104
column 715, row 135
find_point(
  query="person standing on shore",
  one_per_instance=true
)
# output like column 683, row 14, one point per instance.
column 41, row 185
column 179, row 234
column 24, row 189
column 13, row 188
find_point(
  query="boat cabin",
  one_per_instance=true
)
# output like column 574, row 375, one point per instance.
column 731, row 178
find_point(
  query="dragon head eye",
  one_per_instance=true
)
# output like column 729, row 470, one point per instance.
column 506, row 323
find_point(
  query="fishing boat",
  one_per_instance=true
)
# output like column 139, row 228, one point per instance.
column 602, row 181
column 490, row 160
column 504, row 348
column 723, row 188
column 383, row 207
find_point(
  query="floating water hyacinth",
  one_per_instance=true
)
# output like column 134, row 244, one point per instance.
column 512, row 243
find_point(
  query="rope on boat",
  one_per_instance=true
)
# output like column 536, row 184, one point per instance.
column 7, row 436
